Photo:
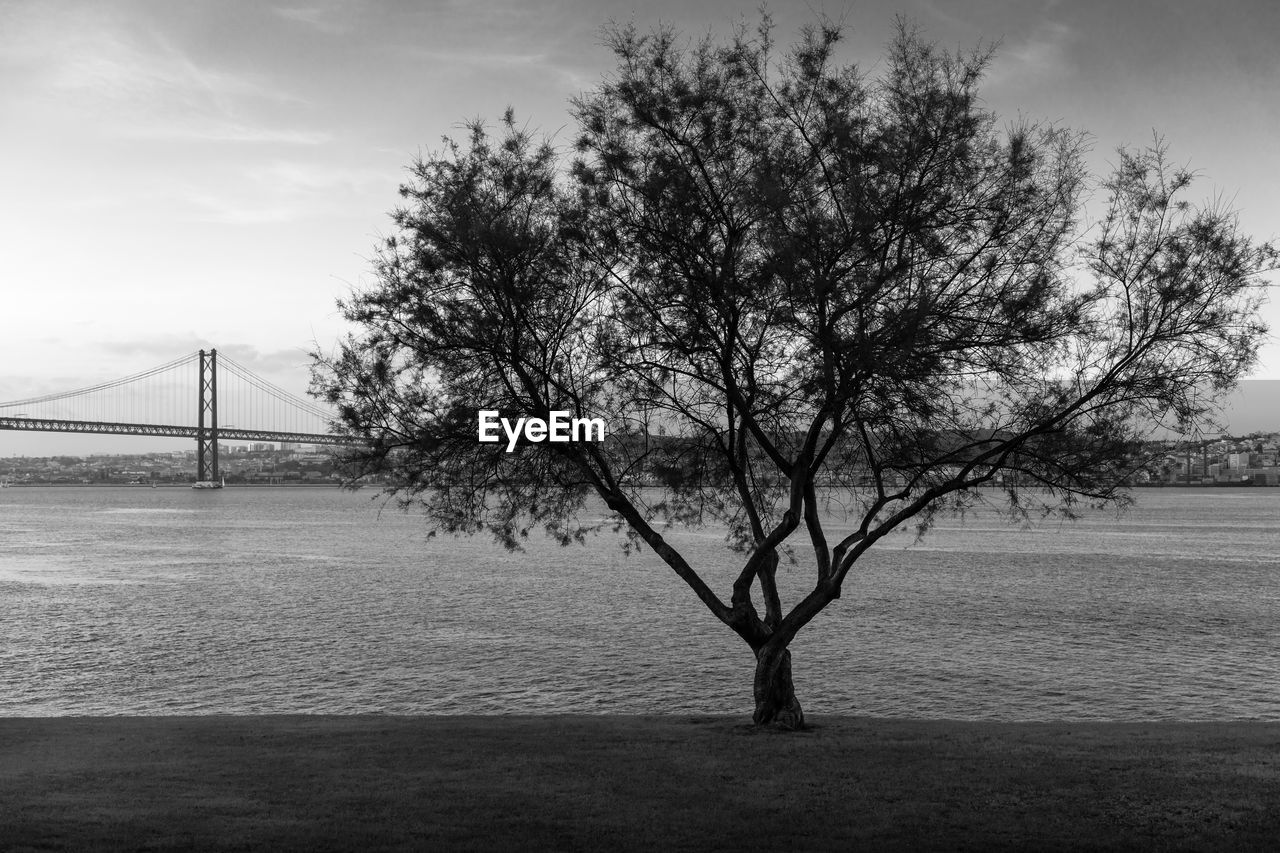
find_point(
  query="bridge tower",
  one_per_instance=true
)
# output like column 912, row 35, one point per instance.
column 207, row 436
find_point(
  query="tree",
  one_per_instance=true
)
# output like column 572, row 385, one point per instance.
column 785, row 284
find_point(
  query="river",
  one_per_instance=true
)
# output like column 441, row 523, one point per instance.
column 309, row 600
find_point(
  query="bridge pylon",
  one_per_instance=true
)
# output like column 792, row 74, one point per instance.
column 98, row 409
column 207, row 436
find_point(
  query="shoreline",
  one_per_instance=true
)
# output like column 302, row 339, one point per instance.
column 570, row 782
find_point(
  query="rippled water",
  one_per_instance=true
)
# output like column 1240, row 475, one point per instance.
column 172, row 601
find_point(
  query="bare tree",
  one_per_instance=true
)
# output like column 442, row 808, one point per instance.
column 784, row 283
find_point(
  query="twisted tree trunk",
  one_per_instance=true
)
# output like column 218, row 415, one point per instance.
column 775, row 694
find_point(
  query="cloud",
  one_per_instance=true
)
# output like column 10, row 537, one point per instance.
column 286, row 191
column 125, row 67
column 223, row 210
column 95, row 56
column 324, row 19
column 1044, row 52
column 291, row 362
column 479, row 57
column 152, row 350
column 137, row 356
column 296, row 177
column 130, row 80
column 1045, row 49
column 204, row 129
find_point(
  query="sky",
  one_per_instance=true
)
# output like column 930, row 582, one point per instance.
column 212, row 173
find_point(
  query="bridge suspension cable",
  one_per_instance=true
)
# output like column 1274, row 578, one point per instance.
column 273, row 391
column 104, row 386
column 168, row 400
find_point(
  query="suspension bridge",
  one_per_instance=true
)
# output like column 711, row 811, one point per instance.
column 202, row 396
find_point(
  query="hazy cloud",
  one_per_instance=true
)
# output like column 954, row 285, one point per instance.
column 288, row 367
column 295, row 362
column 288, row 190
column 137, row 82
column 213, row 130
column 247, row 210
column 1043, row 53
column 1045, row 50
column 296, row 177
column 287, row 195
column 323, row 18
column 153, row 350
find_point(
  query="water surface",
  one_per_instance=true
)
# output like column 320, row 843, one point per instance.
column 261, row 600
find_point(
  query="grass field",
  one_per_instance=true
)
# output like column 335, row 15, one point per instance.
column 632, row 783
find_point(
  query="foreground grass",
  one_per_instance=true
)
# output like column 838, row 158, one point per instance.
column 632, row 783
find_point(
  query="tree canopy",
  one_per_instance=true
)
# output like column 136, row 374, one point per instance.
column 779, row 279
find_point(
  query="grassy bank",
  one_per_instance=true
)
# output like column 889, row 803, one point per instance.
column 632, row 783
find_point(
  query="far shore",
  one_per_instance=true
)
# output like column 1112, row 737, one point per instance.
column 633, row 783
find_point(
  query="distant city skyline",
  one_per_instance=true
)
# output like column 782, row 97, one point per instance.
column 210, row 174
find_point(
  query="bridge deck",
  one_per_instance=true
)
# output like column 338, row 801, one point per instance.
column 172, row 430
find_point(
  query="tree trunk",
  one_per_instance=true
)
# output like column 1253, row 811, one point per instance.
column 775, row 695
